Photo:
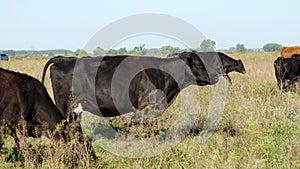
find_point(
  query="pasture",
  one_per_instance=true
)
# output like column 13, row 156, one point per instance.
column 260, row 127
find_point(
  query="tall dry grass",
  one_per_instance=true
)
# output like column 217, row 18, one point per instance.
column 260, row 127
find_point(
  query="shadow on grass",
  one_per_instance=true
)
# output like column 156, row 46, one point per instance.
column 152, row 130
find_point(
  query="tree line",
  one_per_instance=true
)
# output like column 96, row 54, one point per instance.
column 210, row 45
column 207, row 45
column 34, row 53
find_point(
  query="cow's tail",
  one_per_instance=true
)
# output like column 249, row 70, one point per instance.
column 53, row 60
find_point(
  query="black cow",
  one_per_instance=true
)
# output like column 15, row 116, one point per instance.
column 107, row 83
column 26, row 110
column 296, row 56
column 287, row 72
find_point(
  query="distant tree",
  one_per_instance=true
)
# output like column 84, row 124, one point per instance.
column 80, row 52
column 98, row 51
column 83, row 53
column 112, row 52
column 272, row 47
column 168, row 49
column 140, row 47
column 31, row 53
column 139, row 50
column 50, row 53
column 241, row 48
column 11, row 53
column 208, row 46
column 131, row 52
column 153, row 51
column 232, row 50
column 122, row 51
column 76, row 53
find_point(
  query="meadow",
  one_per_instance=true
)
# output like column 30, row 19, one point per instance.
column 260, row 126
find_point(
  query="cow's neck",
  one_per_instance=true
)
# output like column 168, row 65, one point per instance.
column 229, row 68
column 228, row 64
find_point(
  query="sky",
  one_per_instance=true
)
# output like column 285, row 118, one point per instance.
column 66, row 24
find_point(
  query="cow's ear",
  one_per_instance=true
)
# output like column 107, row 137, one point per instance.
column 236, row 63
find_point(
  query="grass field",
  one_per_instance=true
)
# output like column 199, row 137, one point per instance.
column 260, row 127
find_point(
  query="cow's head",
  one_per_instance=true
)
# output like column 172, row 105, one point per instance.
column 239, row 67
column 69, row 129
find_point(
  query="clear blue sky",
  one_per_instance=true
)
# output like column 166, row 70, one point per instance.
column 57, row 24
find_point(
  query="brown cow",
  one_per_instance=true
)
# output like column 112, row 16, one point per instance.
column 26, row 110
column 288, row 52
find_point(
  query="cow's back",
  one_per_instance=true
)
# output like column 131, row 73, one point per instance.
column 14, row 97
column 25, row 98
column 115, row 73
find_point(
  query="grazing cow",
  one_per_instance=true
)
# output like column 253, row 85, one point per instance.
column 26, row 110
column 288, row 52
column 287, row 72
column 141, row 77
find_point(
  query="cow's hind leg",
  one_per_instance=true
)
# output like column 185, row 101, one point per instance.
column 1, row 137
column 1, row 143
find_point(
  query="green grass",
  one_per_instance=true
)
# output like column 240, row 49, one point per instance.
column 260, row 127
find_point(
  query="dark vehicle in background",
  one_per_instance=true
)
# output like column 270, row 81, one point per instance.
column 4, row 57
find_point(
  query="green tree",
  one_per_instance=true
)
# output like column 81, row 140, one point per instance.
column 139, row 50
column 80, row 52
column 131, row 52
column 98, row 51
column 153, row 51
column 51, row 53
column 272, row 47
column 113, row 52
column 122, row 51
column 232, row 50
column 241, row 48
column 168, row 49
column 76, row 53
column 208, row 46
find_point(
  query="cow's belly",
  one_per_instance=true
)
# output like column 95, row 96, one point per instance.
column 105, row 106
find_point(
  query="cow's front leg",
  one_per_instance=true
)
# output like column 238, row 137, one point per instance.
column 2, row 135
column 17, row 136
column 227, row 78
